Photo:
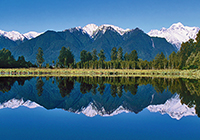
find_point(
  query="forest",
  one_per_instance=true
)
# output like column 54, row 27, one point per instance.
column 188, row 57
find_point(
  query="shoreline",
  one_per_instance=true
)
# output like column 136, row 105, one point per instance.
column 41, row 72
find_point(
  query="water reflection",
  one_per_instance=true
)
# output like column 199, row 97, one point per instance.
column 105, row 96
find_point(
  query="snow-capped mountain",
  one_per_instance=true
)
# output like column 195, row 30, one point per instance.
column 176, row 33
column 92, row 111
column 174, row 108
column 15, row 103
column 31, row 34
column 14, row 35
column 92, row 29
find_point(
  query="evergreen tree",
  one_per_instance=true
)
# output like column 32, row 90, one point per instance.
column 114, row 53
column 102, row 58
column 61, row 57
column 69, row 58
column 65, row 57
column 39, row 57
column 133, row 56
column 196, row 61
column 186, row 49
column 94, row 55
column 172, row 60
column 101, row 55
column 83, row 56
column 126, row 57
column 190, row 60
column 88, row 56
column 120, row 54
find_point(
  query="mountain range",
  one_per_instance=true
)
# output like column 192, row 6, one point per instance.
column 90, row 104
column 87, row 38
column 173, row 107
column 97, row 37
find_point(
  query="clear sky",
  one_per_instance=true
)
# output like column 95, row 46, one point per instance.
column 42, row 15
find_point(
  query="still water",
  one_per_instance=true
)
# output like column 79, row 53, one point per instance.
column 99, row 108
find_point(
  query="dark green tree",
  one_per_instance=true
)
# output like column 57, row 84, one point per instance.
column 114, row 53
column 133, row 56
column 61, row 57
column 65, row 57
column 88, row 56
column 126, row 57
column 94, row 55
column 39, row 57
column 83, row 56
column 120, row 54
column 101, row 55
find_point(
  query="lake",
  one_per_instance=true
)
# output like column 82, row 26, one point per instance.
column 99, row 108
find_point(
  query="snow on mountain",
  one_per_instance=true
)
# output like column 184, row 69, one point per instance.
column 13, row 35
column 90, row 29
column 176, row 33
column 174, row 108
column 15, row 103
column 92, row 111
column 31, row 35
column 93, row 29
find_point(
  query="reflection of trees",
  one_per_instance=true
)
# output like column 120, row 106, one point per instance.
column 132, row 88
column 94, row 90
column 101, row 87
column 119, row 90
column 85, row 88
column 65, row 84
column 7, row 82
column 39, row 86
column 113, row 89
column 189, row 91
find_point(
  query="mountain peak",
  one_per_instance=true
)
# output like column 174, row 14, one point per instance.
column 93, row 29
column 176, row 34
column 13, row 35
column 31, row 34
column 177, row 26
column 90, row 29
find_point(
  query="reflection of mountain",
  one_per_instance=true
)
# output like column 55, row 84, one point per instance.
column 87, row 103
column 15, row 103
column 174, row 108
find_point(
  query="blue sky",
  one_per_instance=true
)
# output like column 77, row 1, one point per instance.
column 42, row 15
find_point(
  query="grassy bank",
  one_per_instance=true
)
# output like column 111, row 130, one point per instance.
column 194, row 74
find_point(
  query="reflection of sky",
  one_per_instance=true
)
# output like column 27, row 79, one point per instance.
column 38, row 123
